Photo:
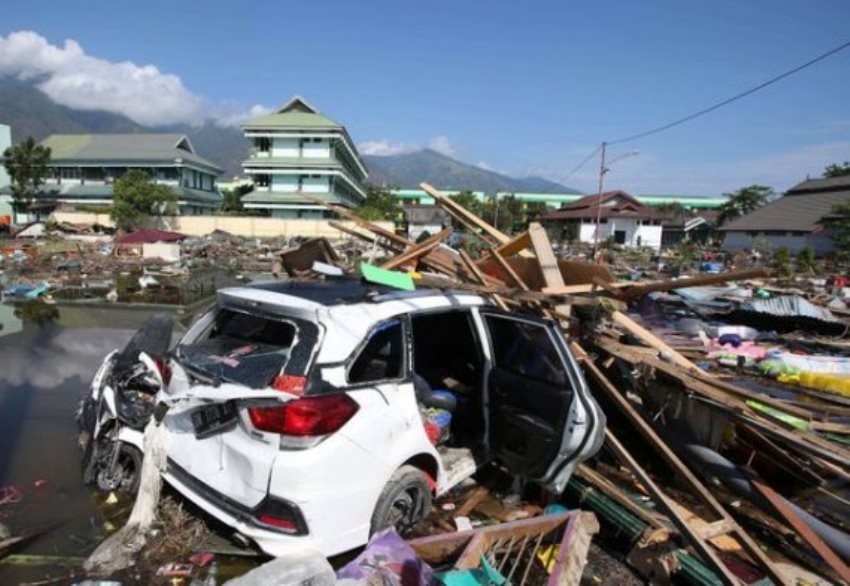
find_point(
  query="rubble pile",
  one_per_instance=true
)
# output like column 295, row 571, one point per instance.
column 727, row 451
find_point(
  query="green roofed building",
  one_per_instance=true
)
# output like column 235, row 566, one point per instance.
column 299, row 156
column 84, row 168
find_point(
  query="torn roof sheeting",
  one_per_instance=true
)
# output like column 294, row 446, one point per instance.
column 790, row 306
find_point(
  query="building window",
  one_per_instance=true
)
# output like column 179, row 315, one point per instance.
column 262, row 180
column 69, row 172
column 93, row 174
column 262, row 144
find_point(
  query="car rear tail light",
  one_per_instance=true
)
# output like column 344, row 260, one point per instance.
column 290, row 384
column 306, row 417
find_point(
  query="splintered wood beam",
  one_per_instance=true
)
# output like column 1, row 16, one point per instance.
column 518, row 244
column 637, row 290
column 679, row 466
column 449, row 203
column 508, row 270
column 481, row 278
column 615, row 493
column 801, row 528
column 667, row 505
column 644, row 335
column 545, row 256
column 418, row 250
column 364, row 237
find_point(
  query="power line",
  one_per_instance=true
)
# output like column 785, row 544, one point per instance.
column 732, row 99
column 580, row 165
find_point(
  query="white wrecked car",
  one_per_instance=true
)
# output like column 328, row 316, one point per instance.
column 299, row 407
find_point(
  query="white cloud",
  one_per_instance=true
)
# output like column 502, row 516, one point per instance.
column 233, row 116
column 443, row 145
column 485, row 165
column 73, row 78
column 385, row 148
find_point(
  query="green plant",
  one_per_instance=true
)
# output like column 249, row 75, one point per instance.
column 379, row 204
column 742, row 202
column 806, row 259
column 27, row 166
column 782, row 260
column 136, row 196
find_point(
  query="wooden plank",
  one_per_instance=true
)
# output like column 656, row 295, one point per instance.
column 666, row 504
column 516, row 245
column 664, row 451
column 572, row 554
column 614, row 492
column 641, row 289
column 801, row 528
column 651, row 339
column 545, row 255
column 370, row 238
column 449, row 203
column 507, row 269
column 481, row 278
column 417, row 250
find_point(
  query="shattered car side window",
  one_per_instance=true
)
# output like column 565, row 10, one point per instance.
column 382, row 358
column 526, row 349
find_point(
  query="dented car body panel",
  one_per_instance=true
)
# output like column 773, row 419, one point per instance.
column 296, row 448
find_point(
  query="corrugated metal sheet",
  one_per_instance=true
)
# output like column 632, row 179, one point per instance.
column 790, row 306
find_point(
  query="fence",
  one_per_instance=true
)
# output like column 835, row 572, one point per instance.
column 239, row 225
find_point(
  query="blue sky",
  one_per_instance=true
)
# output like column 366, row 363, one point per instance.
column 523, row 88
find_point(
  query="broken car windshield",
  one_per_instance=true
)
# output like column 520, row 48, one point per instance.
column 241, row 347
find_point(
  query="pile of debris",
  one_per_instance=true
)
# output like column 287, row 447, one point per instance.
column 708, row 475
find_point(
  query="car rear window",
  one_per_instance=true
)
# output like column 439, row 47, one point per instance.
column 250, row 349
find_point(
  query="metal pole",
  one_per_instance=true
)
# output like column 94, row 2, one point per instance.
column 496, row 219
column 602, row 171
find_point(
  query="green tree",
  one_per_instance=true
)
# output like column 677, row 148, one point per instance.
column 136, row 196
column 27, row 166
column 379, row 204
column 470, row 201
column 232, row 200
column 837, row 170
column 744, row 201
column 806, row 259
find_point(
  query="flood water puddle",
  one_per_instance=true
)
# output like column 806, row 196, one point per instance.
column 46, row 364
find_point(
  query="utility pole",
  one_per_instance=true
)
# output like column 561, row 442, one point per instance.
column 602, row 171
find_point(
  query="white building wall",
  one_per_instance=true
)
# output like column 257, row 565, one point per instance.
column 317, row 150
column 315, row 185
column 285, row 147
column 649, row 235
column 284, row 183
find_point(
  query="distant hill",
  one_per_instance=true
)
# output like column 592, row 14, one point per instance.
column 411, row 169
column 30, row 112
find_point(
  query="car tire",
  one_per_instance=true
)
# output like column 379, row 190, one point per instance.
column 405, row 500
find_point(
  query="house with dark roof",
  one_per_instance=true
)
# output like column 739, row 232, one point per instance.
column 84, row 167
column 622, row 219
column 298, row 156
column 799, row 218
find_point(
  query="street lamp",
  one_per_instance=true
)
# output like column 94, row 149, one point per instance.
column 603, row 169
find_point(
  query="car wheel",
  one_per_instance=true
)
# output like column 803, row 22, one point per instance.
column 405, row 500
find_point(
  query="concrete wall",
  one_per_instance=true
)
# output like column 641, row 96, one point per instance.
column 821, row 242
column 241, row 226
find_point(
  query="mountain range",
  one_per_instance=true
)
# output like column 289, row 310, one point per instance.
column 30, row 112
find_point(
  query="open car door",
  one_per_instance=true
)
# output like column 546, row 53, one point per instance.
column 543, row 419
